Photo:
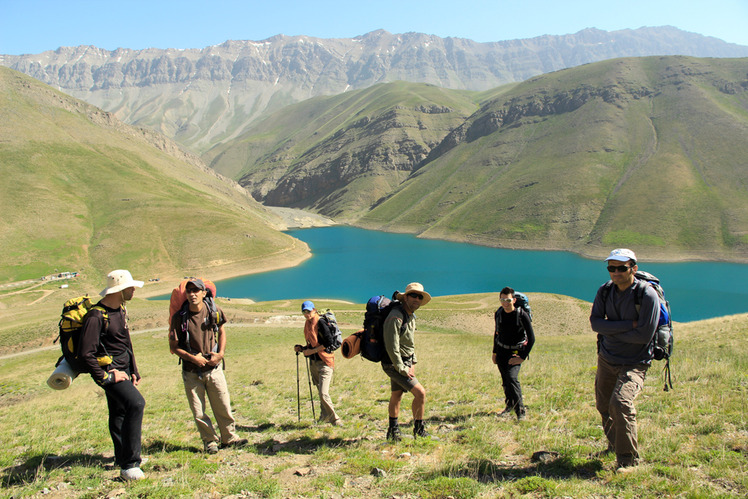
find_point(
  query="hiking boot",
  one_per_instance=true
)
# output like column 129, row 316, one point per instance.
column 131, row 474
column 506, row 412
column 211, row 447
column 421, row 432
column 393, row 434
column 239, row 442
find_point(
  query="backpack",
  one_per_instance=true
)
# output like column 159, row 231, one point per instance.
column 521, row 301
column 71, row 328
column 178, row 305
column 372, row 337
column 663, row 340
column 331, row 336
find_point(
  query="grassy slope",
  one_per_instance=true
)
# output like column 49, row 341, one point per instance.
column 84, row 192
column 357, row 146
column 656, row 161
column 693, row 439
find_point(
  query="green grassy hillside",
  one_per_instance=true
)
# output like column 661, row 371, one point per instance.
column 83, row 192
column 338, row 155
column 692, row 439
column 647, row 152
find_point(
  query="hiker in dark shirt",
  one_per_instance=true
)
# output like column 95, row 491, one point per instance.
column 399, row 363
column 106, row 349
column 202, row 345
column 512, row 341
column 625, row 331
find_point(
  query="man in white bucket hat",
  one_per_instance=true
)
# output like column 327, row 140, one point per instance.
column 106, row 349
column 399, row 364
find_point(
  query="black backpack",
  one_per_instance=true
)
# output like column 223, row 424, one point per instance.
column 663, row 341
column 372, row 337
column 331, row 336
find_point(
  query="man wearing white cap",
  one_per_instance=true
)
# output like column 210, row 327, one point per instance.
column 624, row 316
column 106, row 349
column 399, row 340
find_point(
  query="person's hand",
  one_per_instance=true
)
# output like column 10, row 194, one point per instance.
column 199, row 360
column 515, row 360
column 118, row 375
column 493, row 358
column 297, row 348
column 135, row 379
column 215, row 359
column 412, row 372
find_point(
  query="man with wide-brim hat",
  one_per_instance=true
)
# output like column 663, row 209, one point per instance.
column 106, row 349
column 399, row 364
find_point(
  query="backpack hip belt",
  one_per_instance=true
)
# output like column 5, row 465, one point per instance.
column 511, row 347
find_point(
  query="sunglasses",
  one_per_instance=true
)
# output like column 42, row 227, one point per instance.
column 618, row 268
column 415, row 295
column 505, row 300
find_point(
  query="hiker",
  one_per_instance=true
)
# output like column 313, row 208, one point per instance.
column 106, row 336
column 625, row 330
column 321, row 363
column 399, row 363
column 512, row 341
column 201, row 346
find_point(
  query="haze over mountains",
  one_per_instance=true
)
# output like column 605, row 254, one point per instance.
column 204, row 96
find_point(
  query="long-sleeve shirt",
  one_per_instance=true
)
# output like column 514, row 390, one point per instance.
column 512, row 330
column 399, row 341
column 619, row 342
column 115, row 342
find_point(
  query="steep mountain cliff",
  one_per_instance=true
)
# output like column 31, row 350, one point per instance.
column 203, row 96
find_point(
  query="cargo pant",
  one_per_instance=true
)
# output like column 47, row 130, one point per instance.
column 322, row 379
column 616, row 387
column 213, row 382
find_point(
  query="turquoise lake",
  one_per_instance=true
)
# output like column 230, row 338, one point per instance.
column 355, row 264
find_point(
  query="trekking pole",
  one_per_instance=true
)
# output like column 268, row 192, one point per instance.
column 309, row 378
column 298, row 391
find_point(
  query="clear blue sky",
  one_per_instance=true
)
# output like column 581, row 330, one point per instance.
column 33, row 26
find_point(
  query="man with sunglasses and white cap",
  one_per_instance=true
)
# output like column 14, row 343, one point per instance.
column 106, row 349
column 625, row 328
column 399, row 340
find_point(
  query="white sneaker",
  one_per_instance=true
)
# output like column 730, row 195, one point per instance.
column 132, row 474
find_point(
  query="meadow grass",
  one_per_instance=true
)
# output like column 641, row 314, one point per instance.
column 693, row 439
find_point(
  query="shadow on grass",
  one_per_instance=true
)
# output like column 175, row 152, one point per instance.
column 155, row 446
column 301, row 445
column 28, row 471
column 559, row 468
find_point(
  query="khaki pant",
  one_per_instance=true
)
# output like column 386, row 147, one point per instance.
column 196, row 385
column 616, row 387
column 322, row 379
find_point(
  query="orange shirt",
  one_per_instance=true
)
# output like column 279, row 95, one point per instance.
column 310, row 334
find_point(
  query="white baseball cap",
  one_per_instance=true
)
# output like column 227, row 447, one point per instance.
column 621, row 255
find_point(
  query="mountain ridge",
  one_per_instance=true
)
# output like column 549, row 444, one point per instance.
column 203, row 96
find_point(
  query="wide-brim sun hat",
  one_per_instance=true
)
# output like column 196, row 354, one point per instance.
column 118, row 280
column 415, row 287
